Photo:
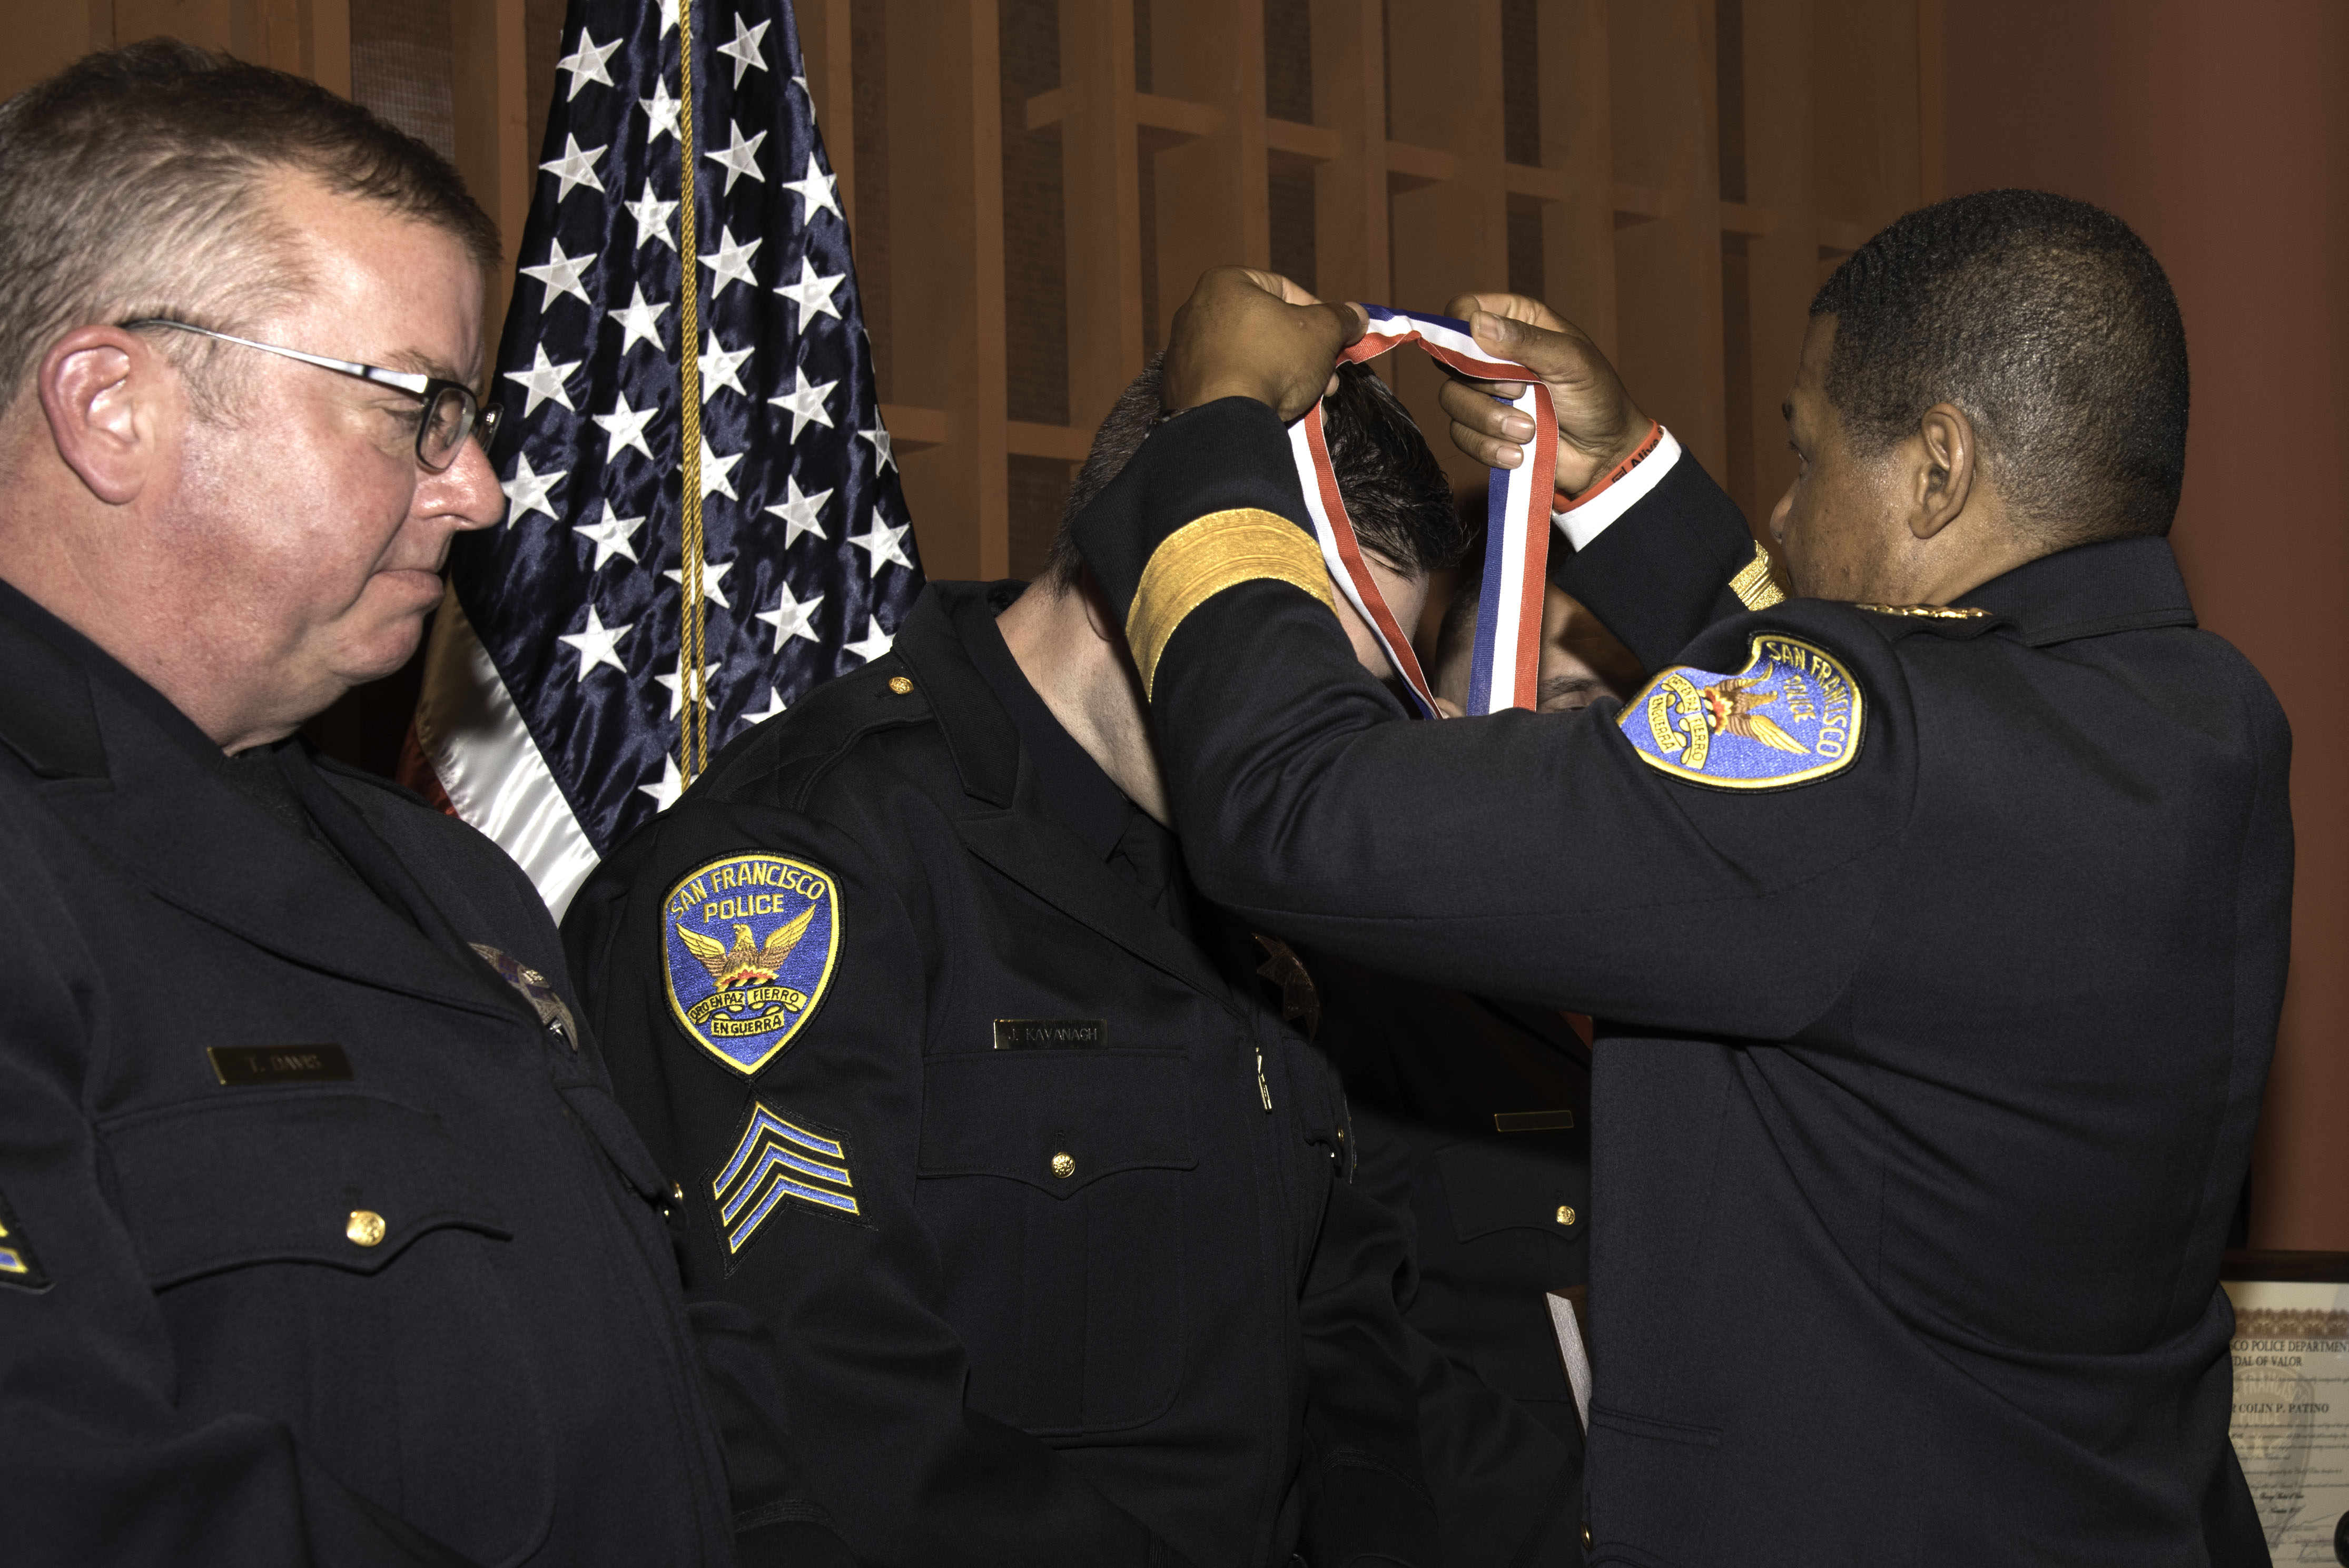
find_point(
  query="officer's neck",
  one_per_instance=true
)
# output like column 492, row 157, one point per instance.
column 1069, row 646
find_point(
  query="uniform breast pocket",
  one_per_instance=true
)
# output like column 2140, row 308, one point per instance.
column 1053, row 1183
column 328, row 1261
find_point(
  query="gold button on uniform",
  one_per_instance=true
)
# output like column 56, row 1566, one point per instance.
column 1064, row 1165
column 364, row 1227
column 1586, row 1538
column 1566, row 1213
column 900, row 685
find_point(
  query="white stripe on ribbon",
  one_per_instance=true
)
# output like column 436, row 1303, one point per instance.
column 471, row 731
column 1506, row 667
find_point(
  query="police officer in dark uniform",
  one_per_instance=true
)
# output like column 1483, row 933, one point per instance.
column 322, row 1239
column 999, row 1128
column 1938, row 920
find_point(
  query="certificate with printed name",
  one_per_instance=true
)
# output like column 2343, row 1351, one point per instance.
column 2291, row 1425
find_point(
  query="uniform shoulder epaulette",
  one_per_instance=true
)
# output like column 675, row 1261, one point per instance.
column 781, row 759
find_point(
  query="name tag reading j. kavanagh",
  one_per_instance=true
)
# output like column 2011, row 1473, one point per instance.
column 1050, row 1033
column 255, row 1066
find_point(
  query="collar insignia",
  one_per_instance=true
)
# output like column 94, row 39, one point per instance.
column 18, row 1267
column 778, row 1160
column 749, row 943
column 535, row 989
column 1927, row 612
column 1793, row 715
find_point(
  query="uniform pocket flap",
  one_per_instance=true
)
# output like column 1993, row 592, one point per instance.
column 1058, row 1120
column 347, row 1180
column 1533, row 1181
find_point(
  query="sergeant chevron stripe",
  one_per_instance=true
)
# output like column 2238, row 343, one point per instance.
column 775, row 1159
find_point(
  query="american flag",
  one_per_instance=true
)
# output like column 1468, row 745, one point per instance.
column 555, row 713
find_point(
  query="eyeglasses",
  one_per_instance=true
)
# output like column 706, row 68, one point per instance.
column 451, row 412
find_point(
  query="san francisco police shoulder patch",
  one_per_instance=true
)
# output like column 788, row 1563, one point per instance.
column 1793, row 715
column 749, row 942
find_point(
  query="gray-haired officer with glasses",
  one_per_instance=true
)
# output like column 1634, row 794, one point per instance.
column 321, row 1239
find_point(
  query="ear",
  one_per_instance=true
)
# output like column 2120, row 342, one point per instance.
column 103, row 392
column 1946, row 456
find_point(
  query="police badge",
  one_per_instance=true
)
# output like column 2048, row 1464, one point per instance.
column 1793, row 715
column 748, row 945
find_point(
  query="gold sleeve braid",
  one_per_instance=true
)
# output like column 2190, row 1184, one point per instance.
column 1208, row 555
column 1756, row 583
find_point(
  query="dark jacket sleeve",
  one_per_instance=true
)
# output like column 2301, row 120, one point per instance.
column 1662, row 572
column 1531, row 856
column 872, row 1375
column 100, row 1465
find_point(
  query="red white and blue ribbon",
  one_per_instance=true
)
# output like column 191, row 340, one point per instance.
column 1506, row 669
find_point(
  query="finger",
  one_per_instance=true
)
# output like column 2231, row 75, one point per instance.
column 1481, row 413
column 1490, row 450
column 1449, row 709
column 1514, row 307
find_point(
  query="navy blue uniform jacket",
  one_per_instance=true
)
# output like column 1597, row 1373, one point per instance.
column 1103, row 1305
column 421, row 1311
column 1930, row 1081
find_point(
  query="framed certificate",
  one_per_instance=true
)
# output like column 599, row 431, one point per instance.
column 2291, row 1425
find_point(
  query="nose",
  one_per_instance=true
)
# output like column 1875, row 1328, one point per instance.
column 467, row 490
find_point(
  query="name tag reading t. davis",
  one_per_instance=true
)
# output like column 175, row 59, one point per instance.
column 261, row 1066
column 749, row 943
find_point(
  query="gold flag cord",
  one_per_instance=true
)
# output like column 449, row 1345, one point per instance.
column 693, row 738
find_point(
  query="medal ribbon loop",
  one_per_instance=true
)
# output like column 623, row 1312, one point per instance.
column 1506, row 669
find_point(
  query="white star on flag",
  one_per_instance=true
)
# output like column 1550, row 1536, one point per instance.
column 671, row 785
column 612, row 536
column 775, row 706
column 799, row 512
column 801, row 83
column 739, row 159
column 812, row 293
column 719, row 366
column 881, row 545
column 873, row 644
column 744, row 50
column 651, row 214
column 527, row 490
column 543, row 381
column 806, row 405
column 600, row 644
column 882, row 456
column 817, row 191
column 661, row 108
column 586, row 63
column 731, row 261
column 574, row 168
column 716, row 472
column 713, row 581
column 793, row 617
column 625, row 426
column 639, row 320
column 676, row 684
column 560, row 275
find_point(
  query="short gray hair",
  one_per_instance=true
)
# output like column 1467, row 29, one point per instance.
column 134, row 183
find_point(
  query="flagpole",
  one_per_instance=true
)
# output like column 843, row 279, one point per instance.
column 693, row 738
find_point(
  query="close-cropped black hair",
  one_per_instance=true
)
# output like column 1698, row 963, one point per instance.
column 2050, row 324
column 1395, row 490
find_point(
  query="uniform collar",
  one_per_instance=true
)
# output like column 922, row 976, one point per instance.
column 48, row 714
column 977, row 731
column 2117, row 585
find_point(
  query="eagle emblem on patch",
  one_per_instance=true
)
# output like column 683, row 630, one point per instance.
column 1793, row 715
column 748, row 945
column 779, row 1159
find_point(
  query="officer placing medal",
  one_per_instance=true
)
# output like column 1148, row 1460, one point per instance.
column 1934, row 918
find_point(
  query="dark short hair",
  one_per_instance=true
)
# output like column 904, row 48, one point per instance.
column 1394, row 488
column 134, row 183
column 2048, row 322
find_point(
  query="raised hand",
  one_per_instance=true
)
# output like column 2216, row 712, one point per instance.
column 1598, row 424
column 1250, row 334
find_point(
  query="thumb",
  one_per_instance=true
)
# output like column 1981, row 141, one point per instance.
column 1552, row 355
